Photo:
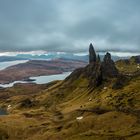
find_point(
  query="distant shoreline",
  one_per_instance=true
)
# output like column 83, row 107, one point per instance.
column 35, row 68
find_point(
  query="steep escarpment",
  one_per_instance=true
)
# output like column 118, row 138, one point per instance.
column 97, row 102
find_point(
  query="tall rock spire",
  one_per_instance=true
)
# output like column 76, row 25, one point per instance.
column 92, row 54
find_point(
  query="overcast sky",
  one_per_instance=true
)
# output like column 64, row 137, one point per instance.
column 70, row 25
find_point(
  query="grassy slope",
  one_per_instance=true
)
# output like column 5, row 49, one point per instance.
column 108, row 114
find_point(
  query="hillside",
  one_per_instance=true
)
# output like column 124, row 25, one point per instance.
column 97, row 102
column 38, row 67
column 129, row 66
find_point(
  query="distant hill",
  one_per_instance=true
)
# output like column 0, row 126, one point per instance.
column 50, row 56
column 129, row 66
column 10, row 58
column 38, row 68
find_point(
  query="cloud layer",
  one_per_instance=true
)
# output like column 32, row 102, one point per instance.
column 70, row 25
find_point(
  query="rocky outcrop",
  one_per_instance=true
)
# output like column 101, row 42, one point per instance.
column 100, row 71
column 108, row 67
column 92, row 54
column 96, row 71
column 94, row 74
column 104, row 69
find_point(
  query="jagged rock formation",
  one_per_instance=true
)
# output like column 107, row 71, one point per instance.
column 96, row 72
column 108, row 67
column 92, row 54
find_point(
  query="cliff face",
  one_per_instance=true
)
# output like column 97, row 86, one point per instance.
column 108, row 67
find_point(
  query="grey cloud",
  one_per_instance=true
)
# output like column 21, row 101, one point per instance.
column 69, row 26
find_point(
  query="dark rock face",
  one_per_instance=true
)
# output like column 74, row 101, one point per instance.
column 96, row 72
column 92, row 54
column 108, row 67
column 107, row 57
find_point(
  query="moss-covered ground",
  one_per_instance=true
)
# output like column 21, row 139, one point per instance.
column 52, row 112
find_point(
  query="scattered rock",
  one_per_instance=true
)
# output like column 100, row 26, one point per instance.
column 9, row 107
column 79, row 118
column 105, row 88
column 90, row 99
